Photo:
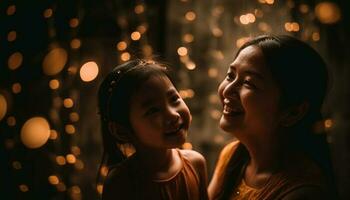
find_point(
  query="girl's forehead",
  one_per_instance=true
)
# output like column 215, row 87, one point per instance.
column 154, row 86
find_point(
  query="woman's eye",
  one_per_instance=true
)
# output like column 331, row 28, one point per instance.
column 249, row 84
column 230, row 76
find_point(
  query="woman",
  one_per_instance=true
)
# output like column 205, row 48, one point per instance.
column 272, row 97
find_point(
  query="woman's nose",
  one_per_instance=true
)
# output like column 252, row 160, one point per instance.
column 231, row 90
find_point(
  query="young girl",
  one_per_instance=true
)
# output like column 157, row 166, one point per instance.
column 272, row 97
column 141, row 108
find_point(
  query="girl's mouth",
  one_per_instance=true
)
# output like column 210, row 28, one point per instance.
column 175, row 131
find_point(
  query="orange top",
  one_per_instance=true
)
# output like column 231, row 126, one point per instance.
column 184, row 185
column 297, row 172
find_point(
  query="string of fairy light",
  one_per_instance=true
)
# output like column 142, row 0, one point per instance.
column 59, row 61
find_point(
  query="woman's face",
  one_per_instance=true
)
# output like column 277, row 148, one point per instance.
column 250, row 97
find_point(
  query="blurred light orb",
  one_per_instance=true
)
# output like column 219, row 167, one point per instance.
column 121, row 46
column 75, row 43
column 139, row 9
column 327, row 12
column 11, row 10
column 70, row 158
column 3, row 106
column 48, row 13
column 69, row 128
column 182, row 51
column 190, row 65
column 89, row 71
column 11, row 36
column 68, row 102
column 16, row 88
column 11, row 121
column 53, row 179
column 54, row 61
column 135, row 35
column 35, row 132
column 125, row 56
column 54, row 84
column 188, row 38
column 190, row 15
column 73, row 23
column 15, row 60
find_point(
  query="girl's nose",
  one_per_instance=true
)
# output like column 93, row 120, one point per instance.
column 172, row 116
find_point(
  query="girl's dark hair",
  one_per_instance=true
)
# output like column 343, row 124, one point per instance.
column 114, row 95
column 301, row 75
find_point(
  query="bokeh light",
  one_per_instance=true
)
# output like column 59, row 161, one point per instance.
column 11, row 10
column 75, row 43
column 327, row 12
column 48, row 13
column 125, row 56
column 89, row 71
column 3, row 106
column 54, row 84
column 53, row 179
column 16, row 88
column 11, row 36
column 15, row 60
column 69, row 128
column 190, row 16
column 35, row 132
column 74, row 22
column 121, row 46
column 135, row 35
column 54, row 61
column 68, row 102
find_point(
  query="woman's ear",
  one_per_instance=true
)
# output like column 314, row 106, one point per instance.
column 120, row 132
column 294, row 114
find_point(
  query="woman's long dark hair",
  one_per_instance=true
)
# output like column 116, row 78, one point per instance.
column 301, row 75
column 114, row 96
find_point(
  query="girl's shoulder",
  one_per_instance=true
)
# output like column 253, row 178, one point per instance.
column 193, row 156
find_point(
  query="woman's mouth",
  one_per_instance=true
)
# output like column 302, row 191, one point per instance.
column 232, row 111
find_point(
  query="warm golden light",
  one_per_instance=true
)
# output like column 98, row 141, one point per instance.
column 75, row 43
column 217, row 32
column 328, row 123
column 269, row 1
column 315, row 36
column 214, row 99
column 16, row 165
column 74, row 117
column 125, row 56
column 187, row 145
column 147, row 50
column 182, row 51
column 53, row 179
column 48, row 13
column 15, row 60
column 99, row 188
column 72, row 70
column 215, row 114
column 89, row 71
column 327, row 12
column 288, row 26
column 3, row 106
column 79, row 165
column 190, row 65
column 139, row 9
column 60, row 160
column 35, row 132
column 61, row 187
column 244, row 19
column 16, row 88
column 295, row 27
column 70, row 129
column 213, row 72
column 190, row 15
column 121, row 46
column 75, row 189
column 11, row 10
column 53, row 134
column 241, row 41
column 263, row 26
column 74, row 22
column 70, row 158
column 104, row 170
column 187, row 38
column 54, row 61
column 304, row 8
column 68, row 102
column 135, row 35
column 189, row 93
column 11, row 36
column 250, row 17
column 23, row 188
column 75, row 150
column 54, row 84
column 11, row 121
column 142, row 28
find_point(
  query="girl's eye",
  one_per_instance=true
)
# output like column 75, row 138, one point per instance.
column 152, row 110
column 174, row 99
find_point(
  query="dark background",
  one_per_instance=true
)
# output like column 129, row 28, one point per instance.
column 35, row 28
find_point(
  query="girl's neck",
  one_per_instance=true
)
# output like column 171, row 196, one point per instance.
column 158, row 164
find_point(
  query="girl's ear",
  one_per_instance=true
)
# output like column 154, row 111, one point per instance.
column 294, row 114
column 120, row 132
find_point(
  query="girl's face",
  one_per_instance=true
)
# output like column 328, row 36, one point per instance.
column 158, row 115
column 250, row 97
